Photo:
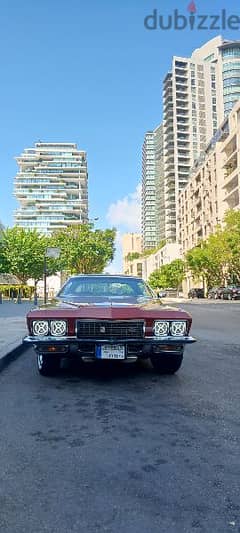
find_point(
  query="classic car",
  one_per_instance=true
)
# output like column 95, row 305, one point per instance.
column 107, row 317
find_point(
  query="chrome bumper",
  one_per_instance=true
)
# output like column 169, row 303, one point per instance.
column 38, row 340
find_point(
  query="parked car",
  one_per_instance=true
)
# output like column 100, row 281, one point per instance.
column 196, row 293
column 231, row 292
column 104, row 317
column 215, row 292
column 161, row 293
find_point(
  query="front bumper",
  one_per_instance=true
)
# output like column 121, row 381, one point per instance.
column 140, row 348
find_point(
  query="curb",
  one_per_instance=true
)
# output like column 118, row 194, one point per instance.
column 11, row 356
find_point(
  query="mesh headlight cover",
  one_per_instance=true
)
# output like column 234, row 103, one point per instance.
column 58, row 327
column 40, row 327
column 178, row 328
column 161, row 328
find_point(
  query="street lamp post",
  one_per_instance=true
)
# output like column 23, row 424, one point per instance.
column 45, row 279
column 54, row 253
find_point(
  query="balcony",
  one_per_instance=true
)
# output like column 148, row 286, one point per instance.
column 230, row 148
column 231, row 163
column 231, row 184
column 232, row 198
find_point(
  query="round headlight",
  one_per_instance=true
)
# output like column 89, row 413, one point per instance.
column 161, row 328
column 40, row 327
column 58, row 327
column 178, row 328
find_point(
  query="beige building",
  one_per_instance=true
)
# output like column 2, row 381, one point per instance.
column 198, row 92
column 144, row 266
column 214, row 185
column 131, row 243
column 230, row 198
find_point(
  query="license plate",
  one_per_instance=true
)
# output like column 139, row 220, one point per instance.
column 114, row 351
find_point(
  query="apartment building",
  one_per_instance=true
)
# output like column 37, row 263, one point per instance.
column 159, row 183
column 198, row 92
column 214, row 186
column 153, row 221
column 51, row 187
column 148, row 192
column 145, row 265
column 131, row 244
column 230, row 153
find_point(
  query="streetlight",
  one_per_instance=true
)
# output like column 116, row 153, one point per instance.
column 54, row 253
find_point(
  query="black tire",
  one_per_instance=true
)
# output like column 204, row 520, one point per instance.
column 166, row 364
column 47, row 365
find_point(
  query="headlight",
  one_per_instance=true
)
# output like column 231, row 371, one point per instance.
column 40, row 327
column 161, row 328
column 58, row 327
column 178, row 328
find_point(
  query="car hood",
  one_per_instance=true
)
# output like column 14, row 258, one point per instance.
column 109, row 309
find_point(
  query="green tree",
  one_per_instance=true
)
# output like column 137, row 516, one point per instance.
column 133, row 255
column 22, row 253
column 232, row 236
column 84, row 249
column 158, row 279
column 176, row 273
column 170, row 275
column 211, row 259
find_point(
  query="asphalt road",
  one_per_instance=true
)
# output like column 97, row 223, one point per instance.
column 123, row 450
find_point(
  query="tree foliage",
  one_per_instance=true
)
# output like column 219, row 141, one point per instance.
column 133, row 255
column 84, row 249
column 217, row 260
column 22, row 253
column 170, row 275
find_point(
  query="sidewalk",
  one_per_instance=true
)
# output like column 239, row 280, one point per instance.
column 12, row 330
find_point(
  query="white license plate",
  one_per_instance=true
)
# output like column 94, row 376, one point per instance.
column 114, row 351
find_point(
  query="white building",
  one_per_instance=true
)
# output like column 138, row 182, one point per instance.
column 152, row 189
column 145, row 265
column 51, row 187
column 198, row 92
column 148, row 193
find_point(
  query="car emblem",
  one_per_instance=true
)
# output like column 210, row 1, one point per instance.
column 102, row 329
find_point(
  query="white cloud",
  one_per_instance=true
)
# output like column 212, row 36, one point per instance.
column 125, row 214
column 116, row 266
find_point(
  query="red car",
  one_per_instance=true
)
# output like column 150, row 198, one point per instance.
column 105, row 317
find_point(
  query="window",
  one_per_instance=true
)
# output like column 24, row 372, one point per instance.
column 231, row 52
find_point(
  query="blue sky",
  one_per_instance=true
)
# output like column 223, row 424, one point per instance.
column 89, row 72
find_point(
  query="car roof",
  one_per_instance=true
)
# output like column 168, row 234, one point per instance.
column 123, row 276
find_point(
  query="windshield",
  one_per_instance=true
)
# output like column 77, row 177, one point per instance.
column 108, row 288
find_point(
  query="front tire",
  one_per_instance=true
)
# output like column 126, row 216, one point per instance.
column 166, row 364
column 47, row 365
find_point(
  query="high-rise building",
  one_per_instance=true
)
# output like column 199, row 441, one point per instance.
column 214, row 186
column 148, row 193
column 152, row 189
column 198, row 92
column 160, row 185
column 51, row 187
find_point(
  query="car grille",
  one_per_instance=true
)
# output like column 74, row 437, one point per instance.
column 110, row 329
